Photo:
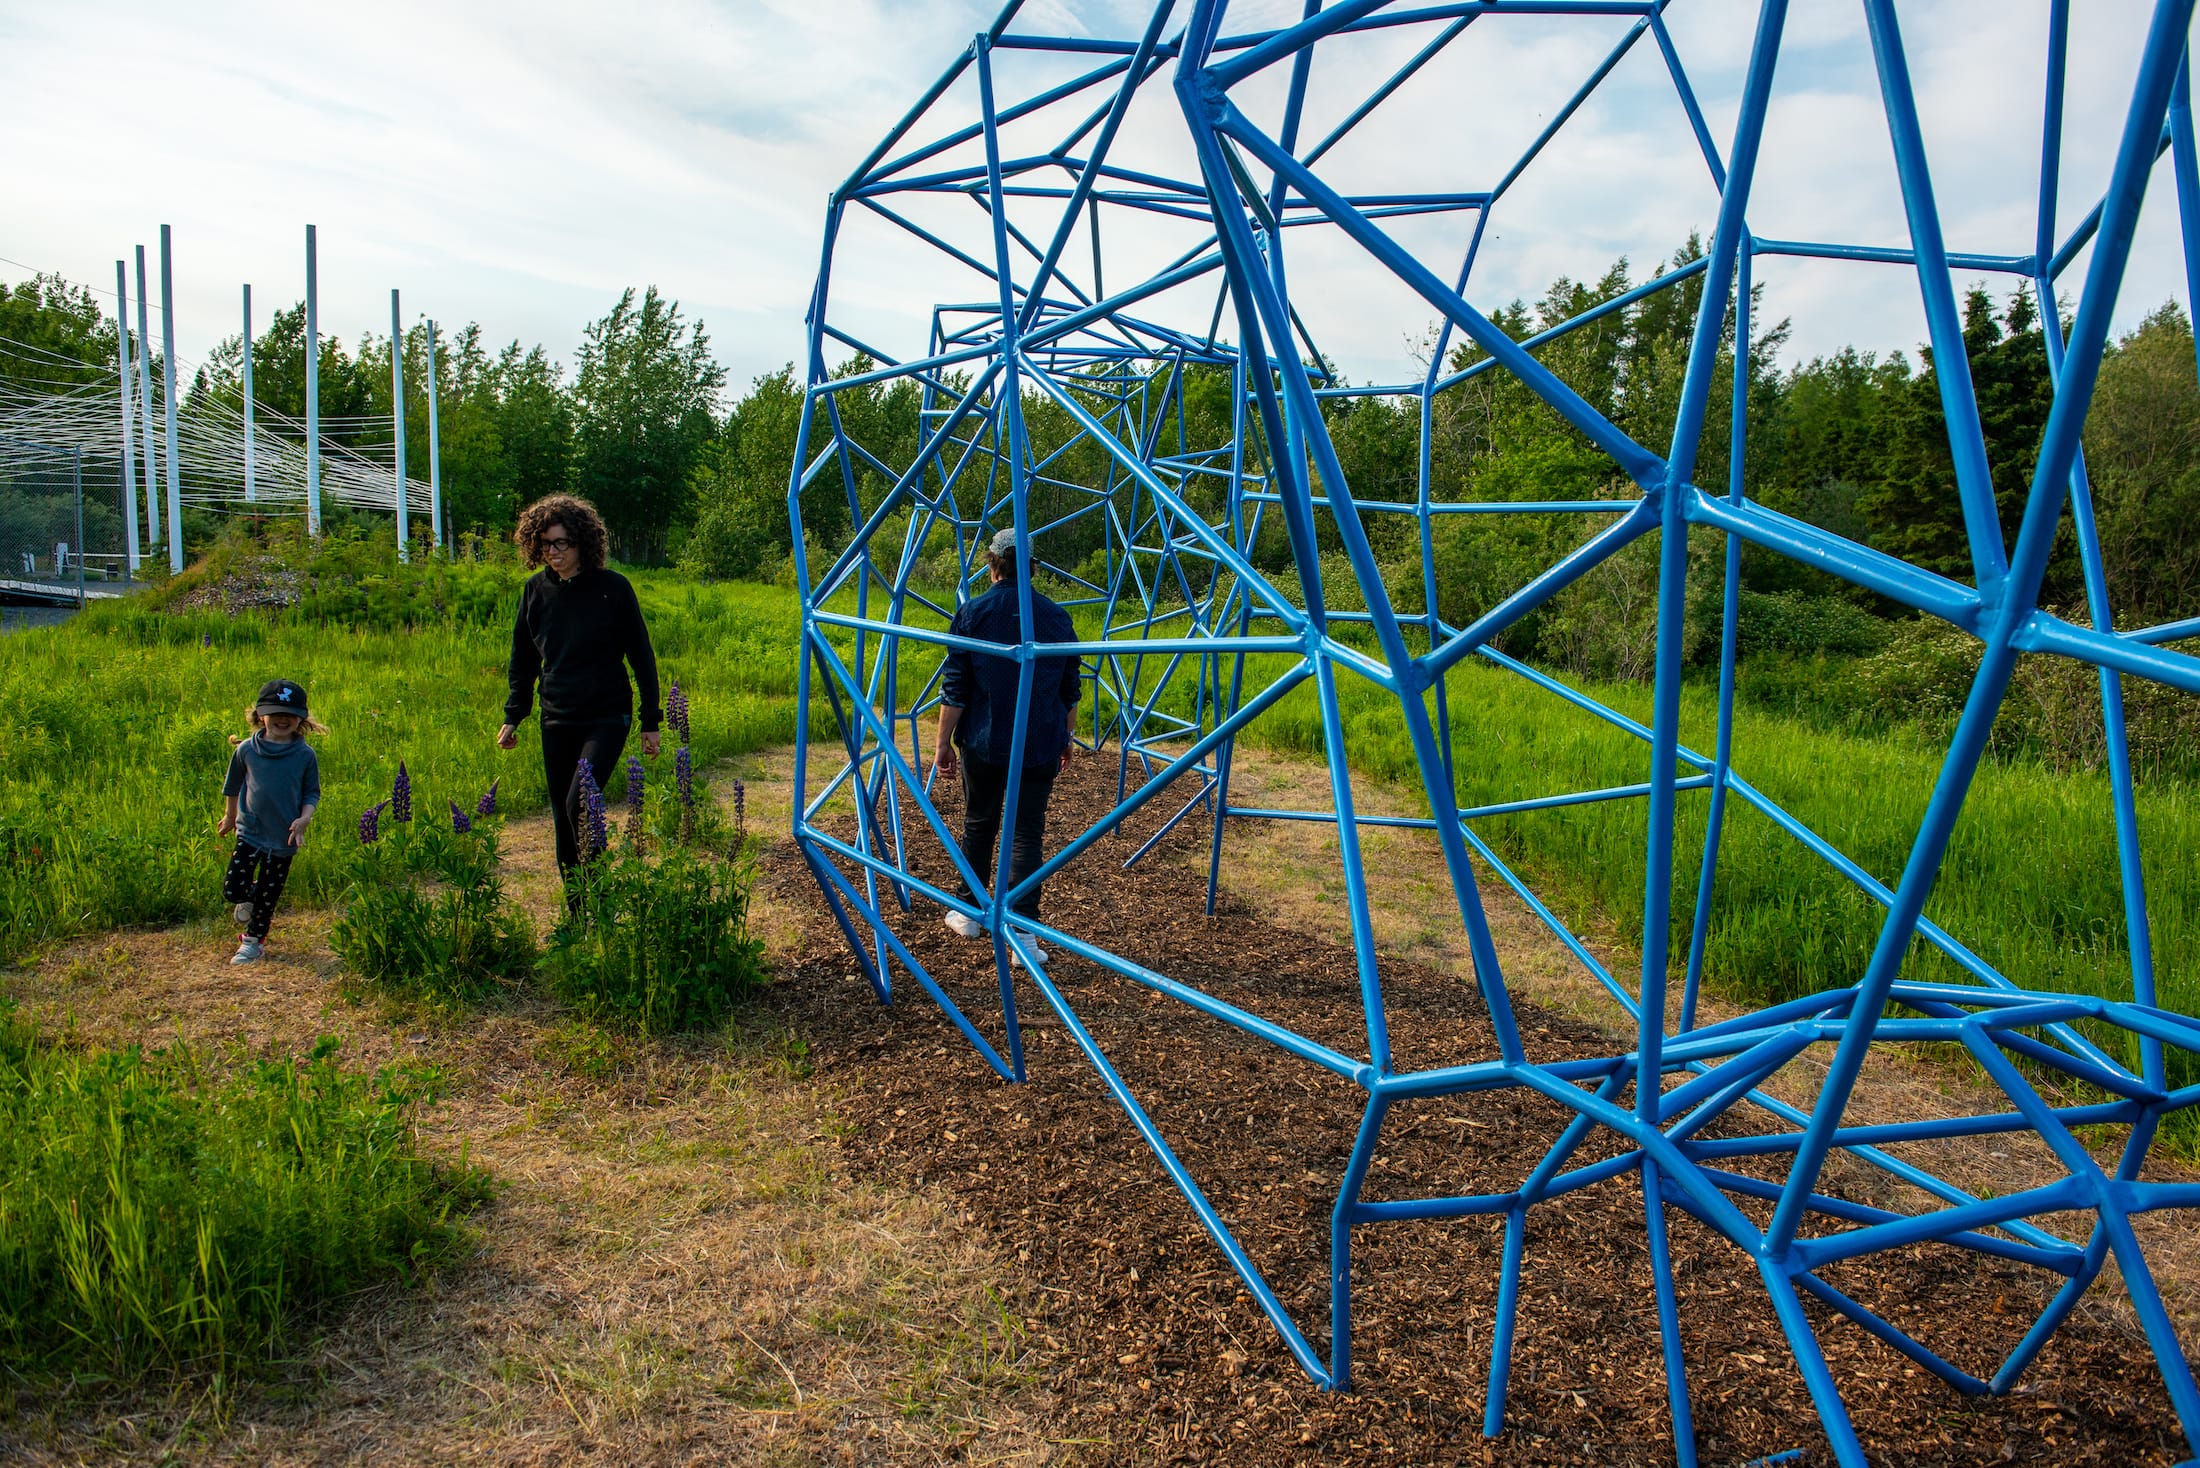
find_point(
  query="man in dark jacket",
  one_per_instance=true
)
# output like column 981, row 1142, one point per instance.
column 978, row 727
column 578, row 630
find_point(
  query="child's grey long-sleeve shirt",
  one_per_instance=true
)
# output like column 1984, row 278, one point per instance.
column 277, row 782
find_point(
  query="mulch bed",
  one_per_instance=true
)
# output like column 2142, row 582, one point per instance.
column 1157, row 1355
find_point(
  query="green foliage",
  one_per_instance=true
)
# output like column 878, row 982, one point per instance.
column 740, row 485
column 158, row 1215
column 348, row 577
column 1915, row 683
column 1911, row 504
column 505, row 423
column 71, row 342
column 656, row 944
column 2031, row 879
column 1797, row 622
column 656, row 937
column 2142, row 447
column 884, row 418
column 646, row 400
column 424, row 915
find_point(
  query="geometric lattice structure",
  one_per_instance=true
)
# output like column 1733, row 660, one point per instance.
column 1030, row 154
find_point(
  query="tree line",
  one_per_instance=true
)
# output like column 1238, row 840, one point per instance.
column 1852, row 441
column 626, row 426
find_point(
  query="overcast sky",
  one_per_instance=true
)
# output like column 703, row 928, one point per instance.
column 519, row 165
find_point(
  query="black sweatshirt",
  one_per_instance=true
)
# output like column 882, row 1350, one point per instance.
column 576, row 636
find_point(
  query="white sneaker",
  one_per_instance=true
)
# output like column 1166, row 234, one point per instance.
column 248, row 950
column 242, row 912
column 1016, row 959
column 963, row 926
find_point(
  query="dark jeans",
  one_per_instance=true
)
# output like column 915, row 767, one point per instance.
column 564, row 746
column 985, row 786
column 257, row 877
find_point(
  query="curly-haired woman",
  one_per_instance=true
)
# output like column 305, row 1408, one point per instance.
column 579, row 626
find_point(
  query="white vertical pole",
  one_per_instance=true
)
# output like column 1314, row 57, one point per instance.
column 397, row 416
column 76, row 463
column 251, row 492
column 168, row 349
column 435, row 454
column 145, row 412
column 313, row 390
column 129, row 449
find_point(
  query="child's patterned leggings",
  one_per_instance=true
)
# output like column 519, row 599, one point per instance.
column 257, row 877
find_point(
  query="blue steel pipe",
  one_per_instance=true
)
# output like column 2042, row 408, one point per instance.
column 1185, row 592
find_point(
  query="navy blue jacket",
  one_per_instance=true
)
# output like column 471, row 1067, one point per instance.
column 984, row 686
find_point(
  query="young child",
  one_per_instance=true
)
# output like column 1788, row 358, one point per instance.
column 274, row 783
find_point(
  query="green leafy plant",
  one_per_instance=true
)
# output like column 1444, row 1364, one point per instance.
column 424, row 912
column 656, row 936
column 656, row 943
column 161, row 1215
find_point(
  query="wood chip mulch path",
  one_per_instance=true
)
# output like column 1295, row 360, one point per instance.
column 1156, row 1354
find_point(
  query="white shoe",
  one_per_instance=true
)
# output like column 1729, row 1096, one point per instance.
column 242, row 912
column 1016, row 959
column 963, row 926
column 248, row 950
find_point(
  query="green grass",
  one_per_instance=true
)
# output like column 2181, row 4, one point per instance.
column 2030, row 882
column 114, row 726
column 425, row 916
column 160, row 1215
column 116, row 723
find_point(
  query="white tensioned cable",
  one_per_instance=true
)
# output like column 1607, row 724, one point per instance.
column 210, row 444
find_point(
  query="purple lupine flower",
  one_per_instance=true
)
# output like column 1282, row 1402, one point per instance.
column 206, row 639
column 401, row 795
column 740, row 807
column 634, row 785
column 487, row 805
column 676, row 710
column 461, row 823
column 683, row 774
column 370, row 824
column 597, row 835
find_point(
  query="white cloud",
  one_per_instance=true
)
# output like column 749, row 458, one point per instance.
column 520, row 165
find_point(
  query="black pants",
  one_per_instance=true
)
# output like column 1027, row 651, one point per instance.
column 257, row 877
column 985, row 786
column 564, row 746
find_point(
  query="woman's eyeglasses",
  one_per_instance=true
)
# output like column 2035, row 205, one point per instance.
column 555, row 545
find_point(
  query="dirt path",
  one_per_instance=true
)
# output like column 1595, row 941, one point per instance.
column 828, row 1235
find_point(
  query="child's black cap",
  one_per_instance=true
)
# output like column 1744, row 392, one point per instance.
column 281, row 696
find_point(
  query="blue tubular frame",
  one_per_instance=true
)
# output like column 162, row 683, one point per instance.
column 1192, row 635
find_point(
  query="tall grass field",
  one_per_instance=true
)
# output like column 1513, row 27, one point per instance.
column 114, row 728
column 114, row 725
column 160, row 1213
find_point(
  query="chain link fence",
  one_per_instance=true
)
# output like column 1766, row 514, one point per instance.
column 63, row 531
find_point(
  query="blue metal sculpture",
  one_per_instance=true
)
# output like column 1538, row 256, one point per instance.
column 1180, row 620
